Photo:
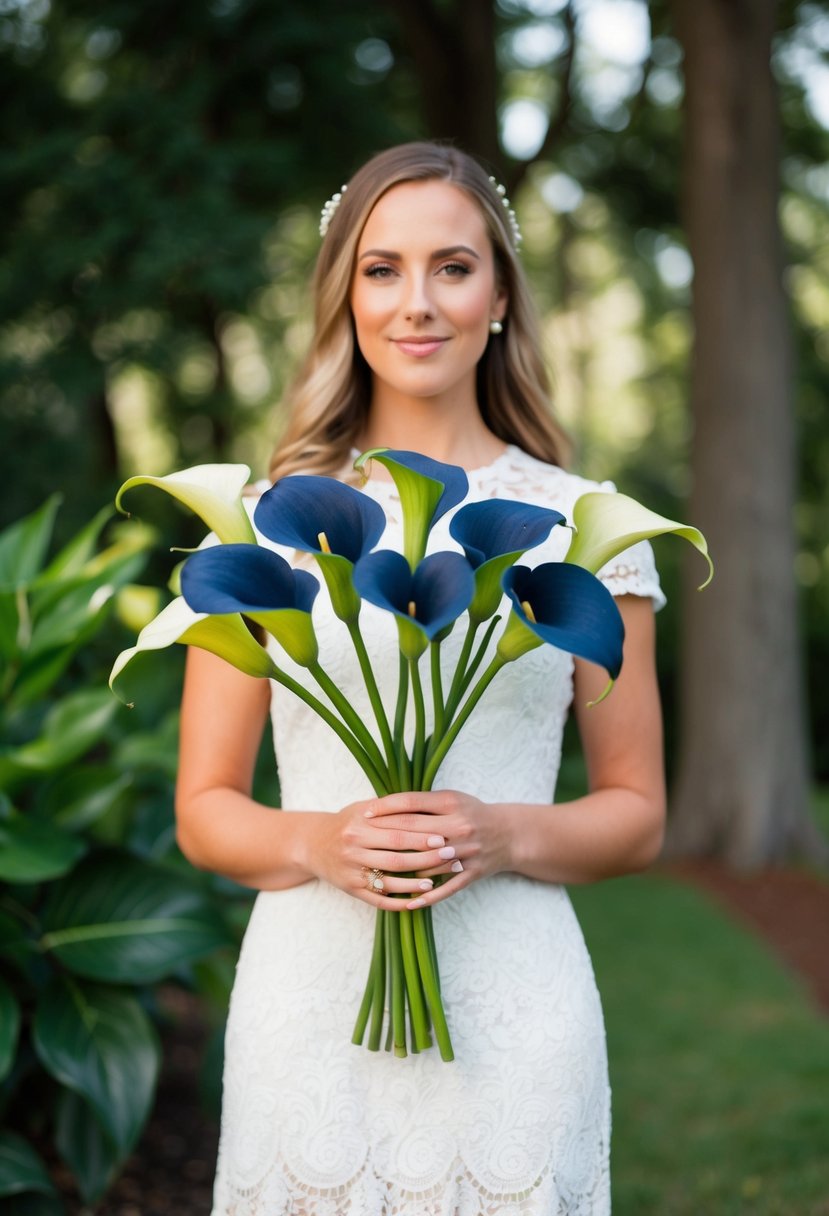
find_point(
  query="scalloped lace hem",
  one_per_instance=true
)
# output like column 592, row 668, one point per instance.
column 459, row 1194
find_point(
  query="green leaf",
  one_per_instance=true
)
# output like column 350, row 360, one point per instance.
column 121, row 919
column 31, row 1204
column 9, row 1028
column 606, row 524
column 71, row 728
column 81, row 796
column 14, row 943
column 84, row 1145
column 99, row 1042
column 23, row 546
column 32, row 850
column 212, row 491
column 226, row 636
column 20, row 1167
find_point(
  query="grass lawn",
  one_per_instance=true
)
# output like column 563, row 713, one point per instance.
column 719, row 1062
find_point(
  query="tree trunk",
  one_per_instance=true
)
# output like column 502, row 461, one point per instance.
column 742, row 785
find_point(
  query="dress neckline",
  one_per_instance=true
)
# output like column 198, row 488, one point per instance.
column 484, row 470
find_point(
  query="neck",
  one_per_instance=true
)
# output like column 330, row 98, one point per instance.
column 450, row 431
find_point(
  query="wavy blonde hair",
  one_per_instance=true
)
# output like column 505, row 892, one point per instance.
column 328, row 402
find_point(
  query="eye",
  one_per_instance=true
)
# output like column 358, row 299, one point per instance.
column 380, row 270
column 455, row 269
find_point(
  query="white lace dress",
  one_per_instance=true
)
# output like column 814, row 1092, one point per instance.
column 519, row 1123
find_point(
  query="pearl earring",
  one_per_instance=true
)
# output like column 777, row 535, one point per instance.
column 495, row 327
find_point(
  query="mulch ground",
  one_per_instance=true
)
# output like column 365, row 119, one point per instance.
column 171, row 1172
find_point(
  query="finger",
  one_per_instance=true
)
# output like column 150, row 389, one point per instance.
column 400, row 862
column 433, row 802
column 448, row 867
column 422, row 823
column 406, row 884
column 397, row 841
column 441, row 891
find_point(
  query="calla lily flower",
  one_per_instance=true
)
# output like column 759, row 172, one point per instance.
column 335, row 522
column 260, row 584
column 493, row 535
column 606, row 524
column 566, row 606
column 428, row 489
column 226, row 636
column 425, row 601
column 212, row 491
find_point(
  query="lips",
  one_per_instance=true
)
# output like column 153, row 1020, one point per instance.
column 420, row 347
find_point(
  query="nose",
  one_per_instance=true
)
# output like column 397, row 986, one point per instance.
column 418, row 303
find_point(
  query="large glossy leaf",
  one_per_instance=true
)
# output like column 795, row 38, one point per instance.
column 99, row 1042
column 20, row 1167
column 14, row 944
column 121, row 919
column 80, row 796
column 71, row 728
column 9, row 1027
column 83, row 1144
column 23, row 546
column 34, row 850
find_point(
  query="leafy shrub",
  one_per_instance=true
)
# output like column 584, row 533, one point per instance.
column 95, row 905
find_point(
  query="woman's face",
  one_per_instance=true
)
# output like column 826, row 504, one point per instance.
column 424, row 292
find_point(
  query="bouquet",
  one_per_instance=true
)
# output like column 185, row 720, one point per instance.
column 559, row 603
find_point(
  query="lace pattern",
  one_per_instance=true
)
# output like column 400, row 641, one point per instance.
column 519, row 1124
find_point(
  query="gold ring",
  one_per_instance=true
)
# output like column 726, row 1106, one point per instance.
column 374, row 879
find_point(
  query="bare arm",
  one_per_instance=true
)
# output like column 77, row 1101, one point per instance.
column 220, row 827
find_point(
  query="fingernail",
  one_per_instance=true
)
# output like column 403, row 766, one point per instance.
column 446, row 852
column 416, row 903
column 426, row 884
column 434, row 841
column 456, row 867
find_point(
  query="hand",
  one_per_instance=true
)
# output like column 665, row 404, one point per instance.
column 475, row 835
column 406, row 849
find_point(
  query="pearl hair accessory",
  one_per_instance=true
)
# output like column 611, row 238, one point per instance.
column 501, row 191
column 329, row 211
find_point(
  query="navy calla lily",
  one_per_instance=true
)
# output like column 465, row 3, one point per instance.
column 425, row 601
column 335, row 522
column 298, row 510
column 262, row 586
column 493, row 534
column 566, row 606
column 428, row 489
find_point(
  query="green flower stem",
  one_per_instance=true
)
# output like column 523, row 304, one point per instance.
column 378, row 971
column 430, row 934
column 403, row 768
column 421, row 1039
column 437, row 688
column 398, row 991
column 430, row 986
column 469, row 674
column 419, row 749
column 376, row 979
column 449, row 738
column 375, row 698
column 456, row 687
column 351, row 719
column 379, row 779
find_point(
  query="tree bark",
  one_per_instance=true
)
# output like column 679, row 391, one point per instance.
column 742, row 786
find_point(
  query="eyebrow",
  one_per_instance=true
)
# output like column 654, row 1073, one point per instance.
column 391, row 256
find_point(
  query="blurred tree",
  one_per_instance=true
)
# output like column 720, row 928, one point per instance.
column 142, row 175
column 743, row 776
